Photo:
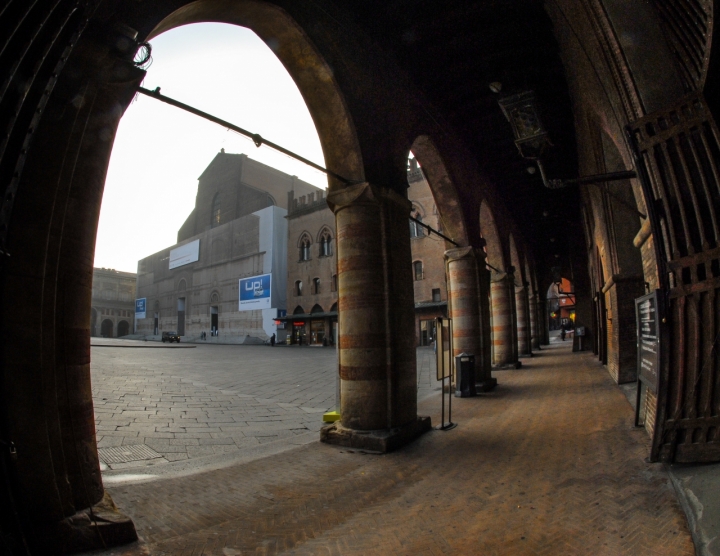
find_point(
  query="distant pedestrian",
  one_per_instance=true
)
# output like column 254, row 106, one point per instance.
column 562, row 331
column 272, row 340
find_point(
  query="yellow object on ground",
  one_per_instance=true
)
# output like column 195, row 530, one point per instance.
column 331, row 417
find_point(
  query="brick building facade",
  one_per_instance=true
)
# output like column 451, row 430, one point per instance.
column 312, row 266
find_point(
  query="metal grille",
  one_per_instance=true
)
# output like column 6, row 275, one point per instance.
column 124, row 454
column 679, row 153
column 688, row 24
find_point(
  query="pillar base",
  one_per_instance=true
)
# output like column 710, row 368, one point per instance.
column 503, row 366
column 105, row 528
column 486, row 385
column 382, row 441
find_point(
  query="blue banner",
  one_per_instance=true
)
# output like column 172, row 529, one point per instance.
column 140, row 307
column 255, row 292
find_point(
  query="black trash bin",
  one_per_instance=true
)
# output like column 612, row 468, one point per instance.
column 465, row 380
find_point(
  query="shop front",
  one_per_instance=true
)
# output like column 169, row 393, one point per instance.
column 314, row 329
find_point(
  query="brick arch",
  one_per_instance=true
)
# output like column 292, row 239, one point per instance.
column 489, row 232
column 443, row 188
column 514, row 257
column 311, row 73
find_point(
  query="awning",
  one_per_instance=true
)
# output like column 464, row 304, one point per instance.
column 430, row 304
column 308, row 316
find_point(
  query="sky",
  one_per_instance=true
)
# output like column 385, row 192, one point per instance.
column 160, row 151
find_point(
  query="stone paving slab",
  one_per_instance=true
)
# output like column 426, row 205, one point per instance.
column 215, row 399
column 548, row 463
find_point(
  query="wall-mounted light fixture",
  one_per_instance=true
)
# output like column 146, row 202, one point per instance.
column 531, row 139
column 521, row 111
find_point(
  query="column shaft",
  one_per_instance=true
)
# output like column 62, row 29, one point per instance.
column 523, row 321
column 534, row 330
column 503, row 314
column 376, row 311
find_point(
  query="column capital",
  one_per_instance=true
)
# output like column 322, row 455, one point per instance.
column 365, row 194
column 458, row 253
column 498, row 276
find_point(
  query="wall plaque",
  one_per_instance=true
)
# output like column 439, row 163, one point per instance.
column 648, row 339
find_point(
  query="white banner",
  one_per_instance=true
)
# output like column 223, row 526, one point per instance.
column 185, row 254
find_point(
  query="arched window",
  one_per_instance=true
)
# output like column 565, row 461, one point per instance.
column 316, row 286
column 215, row 212
column 298, row 287
column 304, row 248
column 325, row 243
column 298, row 310
column 416, row 230
column 418, row 270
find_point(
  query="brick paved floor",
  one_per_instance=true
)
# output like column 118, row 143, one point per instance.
column 214, row 399
column 549, row 463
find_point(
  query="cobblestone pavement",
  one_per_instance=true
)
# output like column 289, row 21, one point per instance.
column 548, row 463
column 214, row 399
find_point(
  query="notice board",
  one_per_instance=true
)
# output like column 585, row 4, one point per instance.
column 647, row 315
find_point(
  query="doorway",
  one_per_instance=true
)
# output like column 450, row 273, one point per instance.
column 106, row 328
column 427, row 332
column 213, row 320
column 181, row 316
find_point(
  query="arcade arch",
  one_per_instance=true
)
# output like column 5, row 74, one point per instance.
column 522, row 302
column 60, row 472
column 502, row 292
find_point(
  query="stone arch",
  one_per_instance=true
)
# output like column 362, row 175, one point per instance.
column 316, row 309
column 324, row 230
column 182, row 285
column 443, row 189
column 311, row 73
column 324, row 241
column 299, row 310
column 304, row 236
column 417, row 210
column 123, row 328
column 106, row 328
column 304, row 243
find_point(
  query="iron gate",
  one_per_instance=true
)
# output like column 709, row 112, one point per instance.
column 678, row 154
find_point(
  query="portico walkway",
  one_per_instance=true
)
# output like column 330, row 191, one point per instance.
column 549, row 463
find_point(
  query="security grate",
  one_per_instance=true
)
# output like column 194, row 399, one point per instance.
column 124, row 454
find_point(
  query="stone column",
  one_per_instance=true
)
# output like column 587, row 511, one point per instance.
column 485, row 362
column 542, row 319
column 377, row 362
column 464, row 309
column 523, row 320
column 502, row 286
column 534, row 329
